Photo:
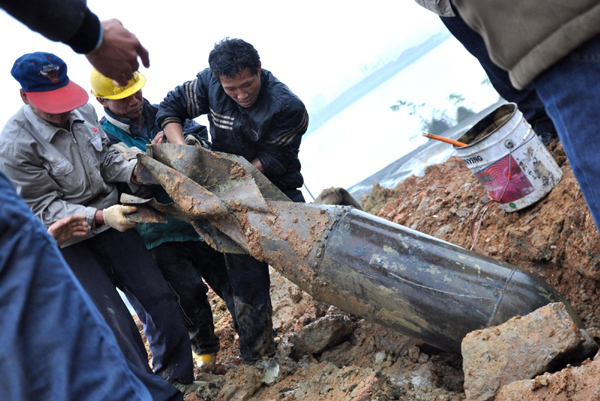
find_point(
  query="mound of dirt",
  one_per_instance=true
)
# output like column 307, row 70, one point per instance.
column 556, row 239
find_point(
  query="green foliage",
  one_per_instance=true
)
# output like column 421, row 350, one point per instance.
column 436, row 121
column 462, row 113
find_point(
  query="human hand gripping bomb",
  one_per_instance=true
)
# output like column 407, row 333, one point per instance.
column 116, row 217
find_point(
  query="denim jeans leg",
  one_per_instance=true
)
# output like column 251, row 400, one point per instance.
column 570, row 91
column 55, row 343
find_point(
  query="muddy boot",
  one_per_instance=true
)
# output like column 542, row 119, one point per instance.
column 205, row 362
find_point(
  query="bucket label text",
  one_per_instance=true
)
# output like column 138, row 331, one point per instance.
column 473, row 160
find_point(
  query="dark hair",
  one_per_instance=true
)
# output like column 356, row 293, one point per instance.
column 231, row 56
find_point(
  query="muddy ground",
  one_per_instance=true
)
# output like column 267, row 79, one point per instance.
column 555, row 239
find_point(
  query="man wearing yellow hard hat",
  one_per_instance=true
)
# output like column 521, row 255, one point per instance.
column 183, row 257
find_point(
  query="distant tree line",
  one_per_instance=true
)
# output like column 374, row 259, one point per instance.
column 433, row 120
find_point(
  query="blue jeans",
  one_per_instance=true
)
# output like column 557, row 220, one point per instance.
column 569, row 89
column 55, row 345
column 527, row 100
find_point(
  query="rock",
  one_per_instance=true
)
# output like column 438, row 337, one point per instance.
column 210, row 390
column 271, row 373
column 521, row 348
column 337, row 196
column 364, row 391
column 380, row 357
column 241, row 383
column 413, row 353
column 324, row 333
column 580, row 383
column 295, row 293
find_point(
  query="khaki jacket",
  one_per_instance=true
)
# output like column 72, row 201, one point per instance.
column 526, row 37
column 443, row 8
column 58, row 172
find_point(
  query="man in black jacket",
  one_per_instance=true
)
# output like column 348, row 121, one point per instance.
column 254, row 115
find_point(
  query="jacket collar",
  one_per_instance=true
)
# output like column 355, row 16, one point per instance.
column 116, row 121
column 44, row 129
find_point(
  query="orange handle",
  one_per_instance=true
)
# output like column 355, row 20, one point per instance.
column 442, row 139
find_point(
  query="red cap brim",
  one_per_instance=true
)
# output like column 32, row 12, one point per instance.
column 61, row 100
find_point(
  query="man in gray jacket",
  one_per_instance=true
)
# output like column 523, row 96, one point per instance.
column 555, row 45
column 58, row 157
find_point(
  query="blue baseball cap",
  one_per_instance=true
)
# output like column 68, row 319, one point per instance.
column 43, row 78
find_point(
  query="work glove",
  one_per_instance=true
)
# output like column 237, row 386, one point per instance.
column 115, row 217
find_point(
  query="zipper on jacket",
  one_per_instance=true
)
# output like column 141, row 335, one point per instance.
column 73, row 138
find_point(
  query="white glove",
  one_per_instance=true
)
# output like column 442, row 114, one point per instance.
column 115, row 217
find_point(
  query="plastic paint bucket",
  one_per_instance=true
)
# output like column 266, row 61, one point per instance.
column 509, row 159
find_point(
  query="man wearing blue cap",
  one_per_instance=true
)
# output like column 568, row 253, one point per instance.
column 56, row 154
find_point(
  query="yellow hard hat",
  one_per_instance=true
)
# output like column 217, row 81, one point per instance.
column 105, row 88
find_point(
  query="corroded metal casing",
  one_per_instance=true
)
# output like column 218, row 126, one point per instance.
column 411, row 282
column 419, row 285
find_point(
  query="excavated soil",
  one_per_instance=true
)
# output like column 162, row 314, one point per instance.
column 556, row 239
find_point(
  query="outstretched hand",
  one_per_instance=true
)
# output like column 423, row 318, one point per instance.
column 159, row 138
column 117, row 56
column 67, row 228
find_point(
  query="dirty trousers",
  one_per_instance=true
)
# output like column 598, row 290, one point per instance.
column 114, row 259
column 250, row 283
column 184, row 265
column 240, row 280
column 55, row 343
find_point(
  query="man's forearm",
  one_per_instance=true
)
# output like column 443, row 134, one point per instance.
column 174, row 133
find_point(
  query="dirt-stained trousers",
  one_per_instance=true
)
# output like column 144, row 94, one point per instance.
column 114, row 259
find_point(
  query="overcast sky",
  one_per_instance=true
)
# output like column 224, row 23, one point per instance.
column 315, row 47
column 318, row 48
